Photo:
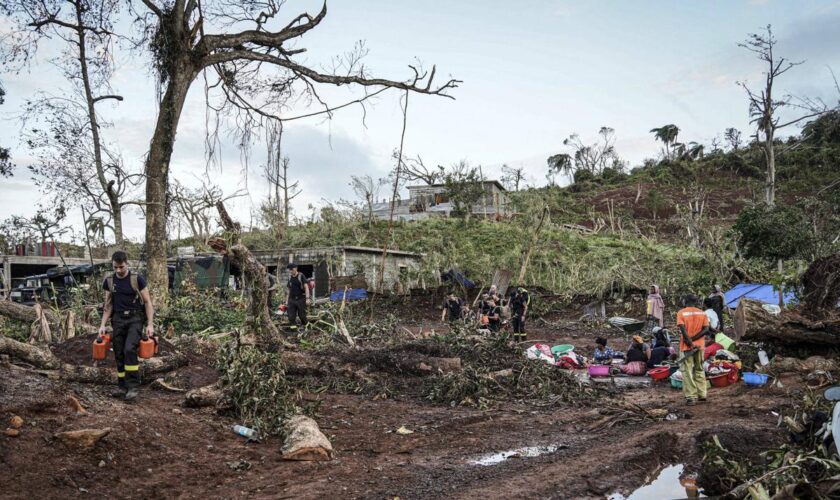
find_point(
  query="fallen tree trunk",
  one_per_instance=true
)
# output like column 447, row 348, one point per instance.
column 44, row 359
column 297, row 363
column 28, row 314
column 754, row 323
column 305, row 441
column 35, row 356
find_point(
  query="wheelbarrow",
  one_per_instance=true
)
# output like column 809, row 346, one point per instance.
column 627, row 325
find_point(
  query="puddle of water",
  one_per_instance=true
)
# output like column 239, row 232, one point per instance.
column 527, row 452
column 665, row 486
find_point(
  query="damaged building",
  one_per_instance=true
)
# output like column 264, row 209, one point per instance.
column 337, row 267
column 429, row 201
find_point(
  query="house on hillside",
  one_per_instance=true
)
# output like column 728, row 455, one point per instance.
column 337, row 267
column 433, row 201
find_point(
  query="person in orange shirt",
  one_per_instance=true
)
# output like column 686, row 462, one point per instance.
column 694, row 325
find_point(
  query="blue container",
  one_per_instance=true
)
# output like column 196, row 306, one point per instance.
column 751, row 378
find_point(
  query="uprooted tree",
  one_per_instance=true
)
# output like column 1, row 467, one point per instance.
column 812, row 323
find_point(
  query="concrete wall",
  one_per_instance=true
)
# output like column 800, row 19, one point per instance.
column 331, row 262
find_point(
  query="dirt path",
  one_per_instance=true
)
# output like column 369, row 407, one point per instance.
column 160, row 449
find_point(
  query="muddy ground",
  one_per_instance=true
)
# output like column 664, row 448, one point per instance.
column 158, row 448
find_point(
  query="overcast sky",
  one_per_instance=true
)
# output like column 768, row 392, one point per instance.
column 533, row 72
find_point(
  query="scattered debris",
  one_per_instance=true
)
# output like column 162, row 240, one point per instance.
column 240, row 466
column 83, row 438
column 12, row 432
column 76, row 406
column 16, row 422
column 403, row 431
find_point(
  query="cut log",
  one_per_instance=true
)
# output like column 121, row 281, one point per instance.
column 209, row 395
column 754, row 323
column 44, row 359
column 305, row 441
column 82, row 438
column 28, row 314
column 39, row 357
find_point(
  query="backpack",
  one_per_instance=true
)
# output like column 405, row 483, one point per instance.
column 132, row 278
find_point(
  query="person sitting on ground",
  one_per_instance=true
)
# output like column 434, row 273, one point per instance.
column 710, row 312
column 661, row 337
column 637, row 357
column 454, row 307
column 655, row 307
column 604, row 355
column 638, row 351
column 659, row 354
column 494, row 315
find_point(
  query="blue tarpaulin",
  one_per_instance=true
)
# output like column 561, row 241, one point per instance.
column 458, row 277
column 352, row 294
column 756, row 291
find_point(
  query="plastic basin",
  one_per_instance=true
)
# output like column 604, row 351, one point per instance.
column 751, row 378
column 599, row 370
column 721, row 380
column 659, row 373
column 676, row 384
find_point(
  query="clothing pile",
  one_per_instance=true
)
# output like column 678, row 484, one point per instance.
column 723, row 362
column 558, row 357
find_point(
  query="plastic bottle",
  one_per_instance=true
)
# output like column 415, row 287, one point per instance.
column 245, row 431
column 762, row 357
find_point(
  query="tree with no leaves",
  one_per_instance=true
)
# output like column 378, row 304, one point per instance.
column 367, row 188
column 281, row 189
column 512, row 177
column 73, row 160
column 250, row 61
column 5, row 157
column 765, row 108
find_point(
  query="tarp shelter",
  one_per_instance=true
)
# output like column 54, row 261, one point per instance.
column 761, row 292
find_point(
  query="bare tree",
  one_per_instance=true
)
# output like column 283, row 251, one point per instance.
column 253, row 75
column 196, row 207
column 5, row 158
column 593, row 158
column 765, row 108
column 281, row 190
column 732, row 136
column 367, row 188
column 73, row 159
column 512, row 177
column 45, row 224
column 415, row 169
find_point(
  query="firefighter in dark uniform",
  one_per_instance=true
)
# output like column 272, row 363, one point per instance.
column 296, row 303
column 127, row 303
column 519, row 302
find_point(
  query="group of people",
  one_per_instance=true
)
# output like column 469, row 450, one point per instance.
column 698, row 324
column 712, row 305
column 492, row 310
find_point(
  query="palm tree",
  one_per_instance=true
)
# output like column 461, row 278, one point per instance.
column 668, row 135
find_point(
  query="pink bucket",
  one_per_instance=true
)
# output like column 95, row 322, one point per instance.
column 599, row 370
